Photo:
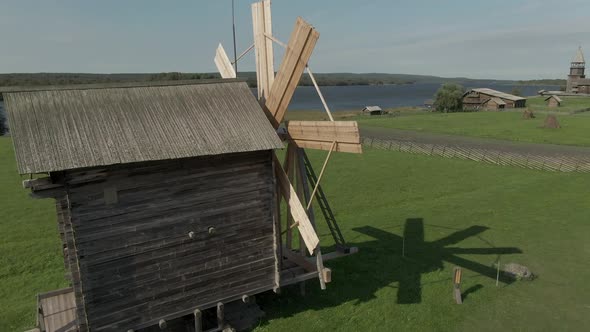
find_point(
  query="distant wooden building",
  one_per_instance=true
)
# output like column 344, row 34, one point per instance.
column 576, row 80
column 484, row 98
column 553, row 101
column 165, row 195
column 373, row 110
column 494, row 103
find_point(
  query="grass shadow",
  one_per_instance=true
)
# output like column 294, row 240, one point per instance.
column 388, row 259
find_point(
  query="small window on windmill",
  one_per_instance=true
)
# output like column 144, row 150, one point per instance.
column 111, row 197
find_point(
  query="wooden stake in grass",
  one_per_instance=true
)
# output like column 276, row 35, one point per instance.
column 457, row 285
column 498, row 271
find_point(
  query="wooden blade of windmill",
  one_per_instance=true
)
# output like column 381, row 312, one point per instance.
column 296, row 209
column 263, row 47
column 299, row 49
column 223, row 63
column 321, row 135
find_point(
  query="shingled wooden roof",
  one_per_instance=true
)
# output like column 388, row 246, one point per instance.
column 494, row 93
column 87, row 126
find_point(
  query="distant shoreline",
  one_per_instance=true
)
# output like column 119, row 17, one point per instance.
column 323, row 79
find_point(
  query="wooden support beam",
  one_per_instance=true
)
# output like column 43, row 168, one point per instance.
column 262, row 26
column 315, row 189
column 307, row 198
column 244, row 53
column 320, row 268
column 327, row 275
column 277, row 236
column 224, row 65
column 40, row 315
column 41, row 184
column 271, row 37
column 289, row 160
column 44, row 188
column 299, row 260
column 198, row 320
column 301, row 44
column 220, row 316
column 300, row 194
column 338, row 254
column 317, row 88
column 297, row 210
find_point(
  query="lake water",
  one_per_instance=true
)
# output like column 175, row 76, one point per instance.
column 345, row 98
column 341, row 98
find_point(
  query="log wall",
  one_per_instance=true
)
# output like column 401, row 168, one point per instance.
column 128, row 230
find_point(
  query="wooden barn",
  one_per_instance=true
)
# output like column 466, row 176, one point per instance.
column 165, row 196
column 553, row 101
column 373, row 110
column 484, row 98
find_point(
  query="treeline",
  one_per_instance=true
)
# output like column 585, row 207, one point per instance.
column 559, row 82
column 82, row 78
column 326, row 79
column 342, row 79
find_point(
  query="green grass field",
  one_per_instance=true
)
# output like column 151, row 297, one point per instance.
column 497, row 125
column 460, row 204
column 507, row 125
column 569, row 104
column 30, row 256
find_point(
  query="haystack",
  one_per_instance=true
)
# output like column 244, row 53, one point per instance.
column 551, row 122
column 528, row 114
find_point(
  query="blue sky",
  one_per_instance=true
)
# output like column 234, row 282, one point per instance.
column 504, row 39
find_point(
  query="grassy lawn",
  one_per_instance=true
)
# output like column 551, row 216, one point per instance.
column 458, row 205
column 499, row 125
column 569, row 104
column 30, row 257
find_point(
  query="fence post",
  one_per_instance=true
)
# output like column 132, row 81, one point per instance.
column 390, row 143
column 372, row 139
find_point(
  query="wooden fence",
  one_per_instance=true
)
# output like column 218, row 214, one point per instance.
column 556, row 163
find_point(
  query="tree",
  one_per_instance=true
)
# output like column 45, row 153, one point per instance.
column 516, row 91
column 449, row 98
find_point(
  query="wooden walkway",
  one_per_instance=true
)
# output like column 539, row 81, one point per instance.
column 57, row 311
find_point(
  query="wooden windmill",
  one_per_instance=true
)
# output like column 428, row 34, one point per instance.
column 296, row 180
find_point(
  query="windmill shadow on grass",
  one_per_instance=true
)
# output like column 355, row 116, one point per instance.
column 379, row 263
column 420, row 256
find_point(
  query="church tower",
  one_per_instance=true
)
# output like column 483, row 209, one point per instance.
column 576, row 72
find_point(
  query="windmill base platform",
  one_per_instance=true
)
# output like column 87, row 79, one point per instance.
column 56, row 310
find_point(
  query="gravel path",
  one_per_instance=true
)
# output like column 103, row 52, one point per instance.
column 549, row 150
